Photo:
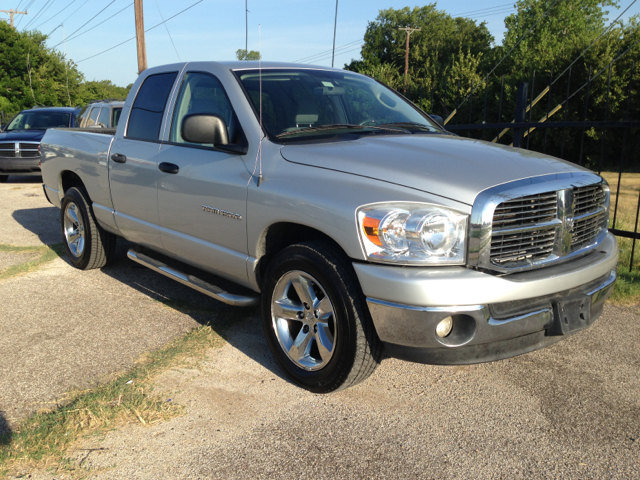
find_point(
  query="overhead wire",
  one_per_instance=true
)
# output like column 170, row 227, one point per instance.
column 44, row 8
column 167, row 29
column 304, row 59
column 26, row 9
column 72, row 14
column 148, row 30
column 54, row 16
column 98, row 24
column 88, row 21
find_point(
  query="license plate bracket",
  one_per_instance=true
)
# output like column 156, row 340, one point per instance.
column 571, row 315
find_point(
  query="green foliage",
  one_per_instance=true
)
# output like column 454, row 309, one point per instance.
column 242, row 54
column 32, row 74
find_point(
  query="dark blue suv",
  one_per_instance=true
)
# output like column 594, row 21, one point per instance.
column 20, row 140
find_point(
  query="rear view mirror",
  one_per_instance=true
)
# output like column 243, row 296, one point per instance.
column 438, row 119
column 205, row 128
column 328, row 91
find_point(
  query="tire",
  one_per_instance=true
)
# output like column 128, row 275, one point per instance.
column 328, row 316
column 87, row 244
column 4, row 178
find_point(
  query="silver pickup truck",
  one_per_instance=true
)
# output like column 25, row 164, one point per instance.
column 356, row 222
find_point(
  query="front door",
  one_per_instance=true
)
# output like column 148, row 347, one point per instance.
column 202, row 206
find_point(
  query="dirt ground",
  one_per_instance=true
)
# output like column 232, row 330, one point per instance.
column 568, row 411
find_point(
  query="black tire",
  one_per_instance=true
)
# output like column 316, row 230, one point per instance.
column 98, row 246
column 356, row 348
column 4, row 178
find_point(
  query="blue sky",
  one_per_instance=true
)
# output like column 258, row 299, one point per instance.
column 214, row 29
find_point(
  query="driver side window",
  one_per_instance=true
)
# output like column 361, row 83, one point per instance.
column 203, row 93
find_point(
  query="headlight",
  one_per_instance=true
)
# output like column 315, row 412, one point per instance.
column 412, row 233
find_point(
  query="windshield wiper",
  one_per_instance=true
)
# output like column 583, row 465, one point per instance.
column 338, row 126
column 412, row 124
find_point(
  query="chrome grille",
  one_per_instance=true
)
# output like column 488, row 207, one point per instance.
column 589, row 211
column 516, row 240
column 7, row 150
column 523, row 247
column 26, row 150
column 29, row 150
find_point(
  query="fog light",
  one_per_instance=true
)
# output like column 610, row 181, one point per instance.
column 444, row 327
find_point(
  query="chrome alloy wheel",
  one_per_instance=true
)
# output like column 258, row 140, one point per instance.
column 74, row 229
column 303, row 319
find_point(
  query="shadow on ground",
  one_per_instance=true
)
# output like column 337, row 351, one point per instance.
column 24, row 179
column 43, row 221
column 222, row 318
column 5, row 431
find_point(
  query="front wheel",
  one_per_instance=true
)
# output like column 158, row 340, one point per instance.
column 87, row 244
column 315, row 319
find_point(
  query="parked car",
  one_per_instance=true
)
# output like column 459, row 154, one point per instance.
column 20, row 140
column 101, row 114
column 353, row 218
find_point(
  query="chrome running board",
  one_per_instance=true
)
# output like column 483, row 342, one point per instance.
column 194, row 282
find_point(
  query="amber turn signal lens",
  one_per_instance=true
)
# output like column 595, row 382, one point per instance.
column 371, row 228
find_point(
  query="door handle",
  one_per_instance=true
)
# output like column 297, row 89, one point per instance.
column 119, row 158
column 168, row 167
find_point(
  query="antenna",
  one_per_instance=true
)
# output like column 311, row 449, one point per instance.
column 260, row 75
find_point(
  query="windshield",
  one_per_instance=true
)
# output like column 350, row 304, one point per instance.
column 39, row 120
column 304, row 102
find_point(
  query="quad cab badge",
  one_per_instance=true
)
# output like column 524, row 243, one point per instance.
column 224, row 213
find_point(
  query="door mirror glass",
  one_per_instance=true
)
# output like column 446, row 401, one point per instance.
column 205, row 129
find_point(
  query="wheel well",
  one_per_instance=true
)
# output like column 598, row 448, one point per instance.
column 282, row 235
column 70, row 179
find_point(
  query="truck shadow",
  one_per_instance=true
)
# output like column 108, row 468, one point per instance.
column 42, row 221
column 5, row 432
column 240, row 327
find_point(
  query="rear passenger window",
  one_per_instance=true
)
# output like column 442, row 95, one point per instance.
column 116, row 117
column 93, row 116
column 146, row 114
column 103, row 119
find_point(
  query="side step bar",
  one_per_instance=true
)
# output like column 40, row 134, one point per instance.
column 194, row 282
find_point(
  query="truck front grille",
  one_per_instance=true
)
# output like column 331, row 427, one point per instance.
column 528, row 229
column 24, row 150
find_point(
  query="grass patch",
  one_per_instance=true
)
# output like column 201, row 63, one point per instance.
column 46, row 253
column 43, row 440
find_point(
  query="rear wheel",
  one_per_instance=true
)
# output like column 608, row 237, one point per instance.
column 87, row 244
column 4, row 178
column 315, row 319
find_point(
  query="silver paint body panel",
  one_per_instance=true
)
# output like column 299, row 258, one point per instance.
column 318, row 185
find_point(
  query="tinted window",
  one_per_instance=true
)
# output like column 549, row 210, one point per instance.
column 146, row 114
column 39, row 120
column 202, row 93
column 83, row 115
column 93, row 116
column 103, row 119
column 116, row 117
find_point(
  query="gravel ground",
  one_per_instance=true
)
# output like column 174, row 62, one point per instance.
column 571, row 410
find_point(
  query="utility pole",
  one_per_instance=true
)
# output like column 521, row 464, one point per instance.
column 142, row 47
column 335, row 25
column 409, row 31
column 11, row 13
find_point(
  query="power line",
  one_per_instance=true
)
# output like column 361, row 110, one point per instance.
column 483, row 10
column 26, row 8
column 51, row 18
column 44, row 8
column 72, row 14
column 167, row 29
column 148, row 30
column 112, row 2
column 98, row 24
column 326, row 51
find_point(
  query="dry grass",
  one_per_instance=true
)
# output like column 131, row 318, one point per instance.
column 45, row 254
column 43, row 441
column 627, row 289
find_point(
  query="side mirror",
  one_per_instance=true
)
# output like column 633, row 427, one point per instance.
column 438, row 119
column 205, row 128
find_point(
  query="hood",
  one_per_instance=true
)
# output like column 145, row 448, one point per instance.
column 22, row 135
column 453, row 167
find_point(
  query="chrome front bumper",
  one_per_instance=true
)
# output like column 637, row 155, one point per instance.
column 512, row 315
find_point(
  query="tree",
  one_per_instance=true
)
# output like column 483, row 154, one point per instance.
column 242, row 54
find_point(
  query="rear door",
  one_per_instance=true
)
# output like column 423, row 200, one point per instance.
column 134, row 163
column 202, row 205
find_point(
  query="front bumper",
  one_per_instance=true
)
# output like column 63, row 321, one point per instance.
column 20, row 166
column 494, row 317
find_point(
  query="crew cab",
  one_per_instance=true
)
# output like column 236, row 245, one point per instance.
column 354, row 220
column 20, row 140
